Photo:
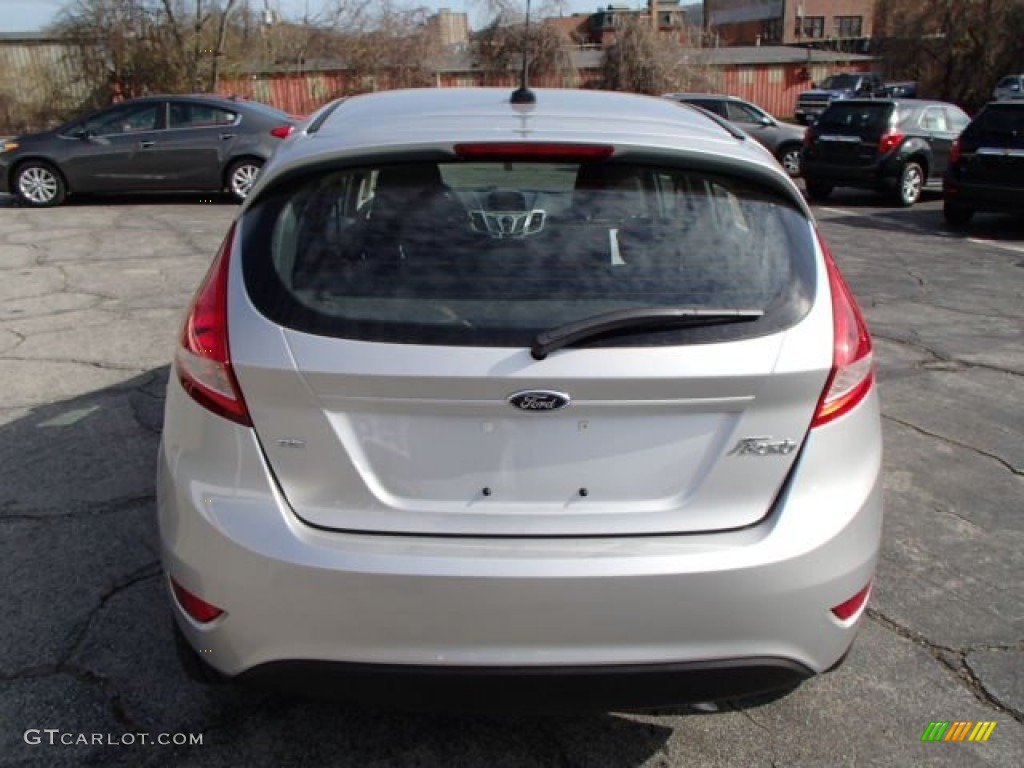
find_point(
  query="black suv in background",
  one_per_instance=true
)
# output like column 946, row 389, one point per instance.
column 781, row 139
column 897, row 146
column 986, row 165
column 847, row 85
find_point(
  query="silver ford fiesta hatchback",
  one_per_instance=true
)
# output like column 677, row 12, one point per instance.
column 487, row 404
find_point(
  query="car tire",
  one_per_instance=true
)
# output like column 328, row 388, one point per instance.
column 39, row 184
column 194, row 667
column 957, row 216
column 789, row 159
column 817, row 190
column 241, row 176
column 911, row 181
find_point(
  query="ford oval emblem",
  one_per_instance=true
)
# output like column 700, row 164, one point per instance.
column 539, row 400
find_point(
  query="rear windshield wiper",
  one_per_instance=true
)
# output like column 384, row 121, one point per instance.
column 633, row 320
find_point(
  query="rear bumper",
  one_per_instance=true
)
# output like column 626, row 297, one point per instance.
column 881, row 176
column 718, row 615
column 984, row 197
column 538, row 689
column 805, row 113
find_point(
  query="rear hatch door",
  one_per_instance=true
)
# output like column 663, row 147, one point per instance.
column 386, row 362
column 993, row 146
column 848, row 132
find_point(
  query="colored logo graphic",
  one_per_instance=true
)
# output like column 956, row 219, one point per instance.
column 958, row 730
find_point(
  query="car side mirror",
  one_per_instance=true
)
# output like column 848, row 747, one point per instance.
column 766, row 121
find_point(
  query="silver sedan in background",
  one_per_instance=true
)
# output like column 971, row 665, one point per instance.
column 783, row 140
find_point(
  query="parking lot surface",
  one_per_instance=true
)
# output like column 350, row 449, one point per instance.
column 91, row 297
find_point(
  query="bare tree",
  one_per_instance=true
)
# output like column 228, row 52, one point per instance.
column 129, row 47
column 116, row 46
column 218, row 48
column 499, row 48
column 383, row 43
column 957, row 49
column 642, row 60
column 199, row 31
column 39, row 96
column 516, row 9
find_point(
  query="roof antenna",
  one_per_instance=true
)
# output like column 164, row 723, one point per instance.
column 523, row 94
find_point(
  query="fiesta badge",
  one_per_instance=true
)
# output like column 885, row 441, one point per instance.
column 539, row 400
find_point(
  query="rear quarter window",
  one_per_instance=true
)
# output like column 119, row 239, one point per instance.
column 933, row 119
column 492, row 253
column 711, row 105
column 263, row 110
column 957, row 118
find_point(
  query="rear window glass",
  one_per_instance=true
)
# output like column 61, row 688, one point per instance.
column 840, row 81
column 492, row 253
column 194, row 115
column 999, row 125
column 860, row 118
column 710, row 105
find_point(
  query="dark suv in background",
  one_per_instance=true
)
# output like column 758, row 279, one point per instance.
column 847, row 85
column 1009, row 87
column 781, row 139
column 986, row 165
column 896, row 146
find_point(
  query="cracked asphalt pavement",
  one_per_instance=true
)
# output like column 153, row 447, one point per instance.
column 91, row 296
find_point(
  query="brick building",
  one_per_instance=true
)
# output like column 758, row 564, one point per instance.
column 449, row 27
column 842, row 25
column 599, row 28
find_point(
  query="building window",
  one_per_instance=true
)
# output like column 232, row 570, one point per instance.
column 775, row 75
column 746, row 76
column 849, row 26
column 771, row 31
column 813, row 26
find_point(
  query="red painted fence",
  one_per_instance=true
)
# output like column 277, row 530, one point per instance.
column 772, row 86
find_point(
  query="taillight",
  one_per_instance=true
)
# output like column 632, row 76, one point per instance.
column 852, row 374
column 808, row 139
column 203, row 361
column 955, row 151
column 890, row 141
column 533, row 151
column 195, row 606
column 848, row 608
column 282, row 131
